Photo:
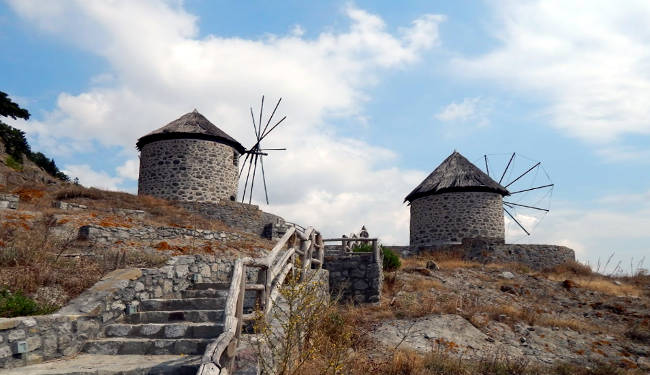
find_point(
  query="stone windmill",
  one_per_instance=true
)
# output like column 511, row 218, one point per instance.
column 459, row 201
column 456, row 201
column 189, row 160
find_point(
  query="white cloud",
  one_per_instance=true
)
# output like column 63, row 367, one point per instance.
column 89, row 177
column 624, row 153
column 130, row 169
column 587, row 60
column 297, row 31
column 475, row 110
column 160, row 70
column 611, row 225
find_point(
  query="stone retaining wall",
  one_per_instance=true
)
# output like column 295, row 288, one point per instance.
column 68, row 206
column 51, row 336
column 537, row 257
column 355, row 276
column 112, row 234
column 9, row 201
column 45, row 337
column 245, row 217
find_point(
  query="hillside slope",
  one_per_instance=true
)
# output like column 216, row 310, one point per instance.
column 45, row 256
column 470, row 318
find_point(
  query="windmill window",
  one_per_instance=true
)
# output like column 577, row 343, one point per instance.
column 235, row 158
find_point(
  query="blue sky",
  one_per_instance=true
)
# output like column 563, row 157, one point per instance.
column 377, row 94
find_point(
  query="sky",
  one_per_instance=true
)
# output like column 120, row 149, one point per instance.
column 376, row 95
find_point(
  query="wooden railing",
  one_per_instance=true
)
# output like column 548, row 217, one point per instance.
column 272, row 270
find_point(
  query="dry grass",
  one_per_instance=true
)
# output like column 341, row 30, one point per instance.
column 453, row 259
column 413, row 262
column 547, row 320
column 609, row 287
column 444, row 260
column 640, row 331
column 32, row 256
column 443, row 360
column 423, row 285
column 161, row 212
column 572, row 268
column 413, row 298
column 600, row 284
column 450, row 264
column 582, row 276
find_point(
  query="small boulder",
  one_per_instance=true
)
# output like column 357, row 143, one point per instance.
column 433, row 266
column 507, row 275
column 568, row 284
column 508, row 289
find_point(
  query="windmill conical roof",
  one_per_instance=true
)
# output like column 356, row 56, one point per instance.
column 455, row 174
column 191, row 125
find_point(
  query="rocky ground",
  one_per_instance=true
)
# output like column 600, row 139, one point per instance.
column 44, row 258
column 473, row 311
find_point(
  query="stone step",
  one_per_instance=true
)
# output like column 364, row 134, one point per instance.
column 182, row 304
column 93, row 364
column 195, row 316
column 165, row 330
column 204, row 286
column 203, row 293
column 140, row 346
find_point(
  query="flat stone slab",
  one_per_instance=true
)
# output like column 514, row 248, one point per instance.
column 97, row 364
column 425, row 333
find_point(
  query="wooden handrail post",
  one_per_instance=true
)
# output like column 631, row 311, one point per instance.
column 375, row 250
column 240, row 302
column 261, row 279
column 304, row 247
column 272, row 270
column 267, row 286
column 321, row 251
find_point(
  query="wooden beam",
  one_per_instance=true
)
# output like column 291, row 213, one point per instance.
column 254, row 286
column 281, row 263
column 280, row 244
column 231, row 302
column 276, row 288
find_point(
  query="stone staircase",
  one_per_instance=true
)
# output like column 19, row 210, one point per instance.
column 167, row 326
column 166, row 336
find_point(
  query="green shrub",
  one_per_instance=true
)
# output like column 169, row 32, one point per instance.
column 391, row 260
column 15, row 142
column 16, row 146
column 48, row 165
column 17, row 304
column 362, row 248
column 13, row 163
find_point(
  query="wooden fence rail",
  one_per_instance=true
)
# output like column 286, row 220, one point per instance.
column 272, row 270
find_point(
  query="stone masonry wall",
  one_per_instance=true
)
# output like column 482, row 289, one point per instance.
column 9, row 201
column 355, row 276
column 112, row 234
column 246, row 217
column 537, row 257
column 64, row 333
column 188, row 170
column 449, row 217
